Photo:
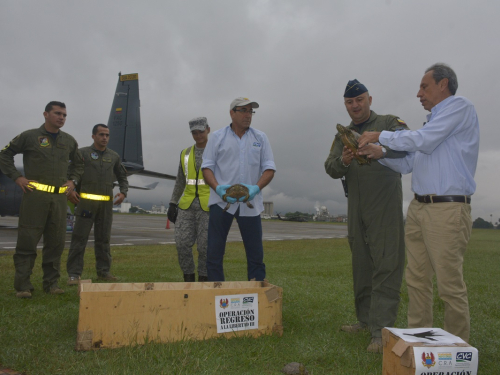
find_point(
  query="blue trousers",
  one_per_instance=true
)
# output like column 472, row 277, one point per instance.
column 219, row 225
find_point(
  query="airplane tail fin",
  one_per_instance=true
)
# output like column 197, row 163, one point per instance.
column 125, row 121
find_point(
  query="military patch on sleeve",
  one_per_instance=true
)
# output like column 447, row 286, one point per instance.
column 402, row 126
column 6, row 147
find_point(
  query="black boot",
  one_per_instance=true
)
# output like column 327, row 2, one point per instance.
column 202, row 278
column 189, row 277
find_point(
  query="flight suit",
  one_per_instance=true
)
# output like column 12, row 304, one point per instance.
column 375, row 227
column 101, row 167
column 46, row 159
column 192, row 221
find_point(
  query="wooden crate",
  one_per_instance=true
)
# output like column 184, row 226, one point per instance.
column 399, row 355
column 118, row 314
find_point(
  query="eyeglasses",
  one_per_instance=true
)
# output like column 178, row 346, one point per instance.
column 245, row 111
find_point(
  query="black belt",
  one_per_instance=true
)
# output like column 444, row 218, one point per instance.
column 442, row 198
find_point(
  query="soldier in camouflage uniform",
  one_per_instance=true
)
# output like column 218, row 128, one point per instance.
column 95, row 205
column 47, row 154
column 375, row 219
column 191, row 223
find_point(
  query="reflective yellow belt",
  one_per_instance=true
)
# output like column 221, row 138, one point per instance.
column 47, row 188
column 95, row 197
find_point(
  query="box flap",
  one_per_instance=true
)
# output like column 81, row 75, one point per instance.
column 272, row 294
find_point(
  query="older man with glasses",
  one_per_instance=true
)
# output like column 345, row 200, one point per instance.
column 443, row 158
column 237, row 154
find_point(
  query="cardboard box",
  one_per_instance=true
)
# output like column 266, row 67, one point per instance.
column 426, row 351
column 117, row 314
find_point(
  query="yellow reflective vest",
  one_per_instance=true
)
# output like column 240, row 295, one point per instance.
column 195, row 184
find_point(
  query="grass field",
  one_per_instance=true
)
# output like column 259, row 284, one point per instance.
column 38, row 336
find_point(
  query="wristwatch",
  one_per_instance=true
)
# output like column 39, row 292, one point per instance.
column 75, row 182
column 384, row 152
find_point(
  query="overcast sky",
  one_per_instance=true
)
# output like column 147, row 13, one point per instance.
column 293, row 57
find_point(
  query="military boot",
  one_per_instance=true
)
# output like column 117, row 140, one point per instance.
column 202, row 278
column 23, row 294
column 189, row 277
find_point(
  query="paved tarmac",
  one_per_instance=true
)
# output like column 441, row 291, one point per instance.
column 129, row 229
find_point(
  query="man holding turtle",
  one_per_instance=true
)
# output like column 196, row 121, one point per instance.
column 188, row 207
column 237, row 154
column 375, row 219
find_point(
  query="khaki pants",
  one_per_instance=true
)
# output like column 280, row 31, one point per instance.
column 436, row 237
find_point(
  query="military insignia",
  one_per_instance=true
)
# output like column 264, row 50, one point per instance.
column 108, row 160
column 428, row 360
column 94, row 156
column 401, row 122
column 6, row 147
column 43, row 141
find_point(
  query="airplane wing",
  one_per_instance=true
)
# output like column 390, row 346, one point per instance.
column 157, row 175
column 147, row 187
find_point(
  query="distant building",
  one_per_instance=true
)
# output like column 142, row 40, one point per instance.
column 158, row 209
column 340, row 219
column 322, row 214
column 268, row 209
column 125, row 207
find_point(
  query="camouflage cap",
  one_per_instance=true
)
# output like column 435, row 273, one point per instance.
column 198, row 123
column 239, row 102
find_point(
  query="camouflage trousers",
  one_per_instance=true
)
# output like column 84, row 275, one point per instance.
column 192, row 226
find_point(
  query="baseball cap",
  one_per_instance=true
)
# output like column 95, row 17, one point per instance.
column 241, row 101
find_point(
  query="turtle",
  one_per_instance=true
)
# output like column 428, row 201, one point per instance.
column 237, row 191
column 295, row 368
column 350, row 140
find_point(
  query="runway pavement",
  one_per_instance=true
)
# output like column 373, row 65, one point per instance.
column 130, row 229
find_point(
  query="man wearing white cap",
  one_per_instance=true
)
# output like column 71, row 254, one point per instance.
column 190, row 195
column 237, row 154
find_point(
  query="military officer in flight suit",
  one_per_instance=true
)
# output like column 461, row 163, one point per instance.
column 191, row 193
column 375, row 219
column 47, row 154
column 95, row 205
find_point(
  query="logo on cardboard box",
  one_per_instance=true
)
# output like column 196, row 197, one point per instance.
column 428, row 359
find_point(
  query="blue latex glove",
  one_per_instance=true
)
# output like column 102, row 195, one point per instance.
column 253, row 190
column 221, row 190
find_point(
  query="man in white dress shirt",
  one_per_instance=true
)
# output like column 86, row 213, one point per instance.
column 443, row 157
column 237, row 154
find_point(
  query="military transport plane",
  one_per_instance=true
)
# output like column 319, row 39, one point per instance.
column 125, row 127
column 125, row 138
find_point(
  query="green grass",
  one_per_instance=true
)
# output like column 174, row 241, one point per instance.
column 38, row 336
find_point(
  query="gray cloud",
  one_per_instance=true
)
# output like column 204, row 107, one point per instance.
column 293, row 57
